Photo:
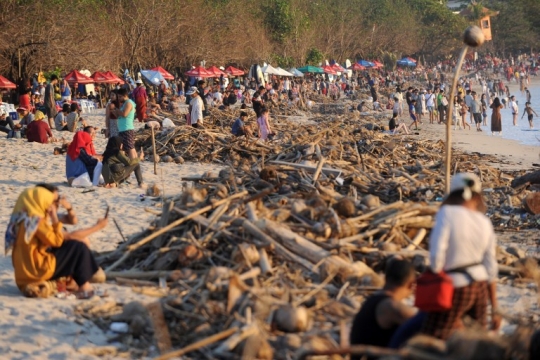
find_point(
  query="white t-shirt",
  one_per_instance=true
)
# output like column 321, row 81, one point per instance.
column 430, row 100
column 514, row 107
column 218, row 97
column 196, row 110
column 462, row 237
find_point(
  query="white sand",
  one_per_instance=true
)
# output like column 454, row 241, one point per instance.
column 46, row 328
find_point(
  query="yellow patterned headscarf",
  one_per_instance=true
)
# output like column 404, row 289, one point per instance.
column 30, row 208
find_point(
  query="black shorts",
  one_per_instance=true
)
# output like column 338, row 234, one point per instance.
column 477, row 118
column 530, row 117
column 128, row 139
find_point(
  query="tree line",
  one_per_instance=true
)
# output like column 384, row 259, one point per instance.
column 116, row 34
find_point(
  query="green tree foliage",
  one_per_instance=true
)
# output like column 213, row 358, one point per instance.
column 314, row 57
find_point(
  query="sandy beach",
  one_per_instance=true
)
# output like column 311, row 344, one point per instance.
column 48, row 328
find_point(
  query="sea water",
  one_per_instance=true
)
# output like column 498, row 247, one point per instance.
column 521, row 132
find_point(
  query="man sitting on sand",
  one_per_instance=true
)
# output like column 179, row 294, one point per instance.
column 384, row 311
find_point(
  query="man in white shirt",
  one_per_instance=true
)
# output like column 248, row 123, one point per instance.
column 196, row 106
column 515, row 109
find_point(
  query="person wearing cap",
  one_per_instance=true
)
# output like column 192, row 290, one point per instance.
column 5, row 121
column 196, row 105
column 50, row 102
column 26, row 118
column 463, row 245
column 38, row 130
column 60, row 121
column 141, row 99
column 515, row 109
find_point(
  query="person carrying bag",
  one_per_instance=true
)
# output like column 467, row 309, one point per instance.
column 463, row 271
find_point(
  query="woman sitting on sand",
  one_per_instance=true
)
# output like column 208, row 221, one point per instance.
column 41, row 254
column 81, row 157
column 117, row 167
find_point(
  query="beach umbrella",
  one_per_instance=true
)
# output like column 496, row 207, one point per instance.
column 311, row 69
column 216, row 71
column 329, row 70
column 152, row 76
column 199, row 72
column 357, row 67
column 378, row 64
column 166, row 75
column 102, row 78
column 79, row 78
column 114, row 77
column 296, row 72
column 337, row 67
column 283, row 72
column 6, row 84
column 234, row 71
column 366, row 63
column 406, row 62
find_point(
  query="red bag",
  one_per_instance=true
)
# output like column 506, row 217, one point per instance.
column 434, row 292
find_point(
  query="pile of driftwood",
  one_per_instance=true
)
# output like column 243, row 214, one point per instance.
column 273, row 255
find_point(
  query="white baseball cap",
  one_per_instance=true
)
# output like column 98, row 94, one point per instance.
column 138, row 81
column 192, row 90
column 468, row 182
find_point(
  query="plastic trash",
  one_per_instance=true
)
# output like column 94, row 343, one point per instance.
column 167, row 123
column 82, row 181
column 120, row 327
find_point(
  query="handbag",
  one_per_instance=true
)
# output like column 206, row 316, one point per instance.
column 435, row 292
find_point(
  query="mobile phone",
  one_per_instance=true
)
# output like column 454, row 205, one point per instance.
column 107, row 212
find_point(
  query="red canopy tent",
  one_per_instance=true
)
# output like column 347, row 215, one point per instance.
column 75, row 77
column 234, row 71
column 199, row 71
column 114, row 77
column 6, row 84
column 378, row 64
column 357, row 67
column 338, row 68
column 102, row 78
column 166, row 75
column 329, row 70
column 216, row 71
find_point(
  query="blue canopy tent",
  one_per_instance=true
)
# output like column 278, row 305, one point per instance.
column 366, row 63
column 153, row 77
column 406, row 62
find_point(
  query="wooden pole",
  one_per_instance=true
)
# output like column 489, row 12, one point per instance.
column 448, row 161
column 154, row 150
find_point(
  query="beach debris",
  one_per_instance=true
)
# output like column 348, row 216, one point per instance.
column 285, row 242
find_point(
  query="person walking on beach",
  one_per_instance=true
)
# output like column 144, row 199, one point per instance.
column 197, row 107
column 528, row 95
column 476, row 110
column 430, row 104
column 463, row 244
column 496, row 120
column 50, row 102
column 483, row 103
column 141, row 99
column 125, row 117
column 515, row 109
column 412, row 113
column 463, row 113
column 529, row 111
column 468, row 99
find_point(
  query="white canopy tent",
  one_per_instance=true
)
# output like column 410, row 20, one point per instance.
column 283, row 72
column 296, row 73
column 270, row 70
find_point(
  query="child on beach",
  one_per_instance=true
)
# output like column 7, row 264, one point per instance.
column 412, row 113
column 263, row 122
column 463, row 112
column 529, row 111
column 395, row 127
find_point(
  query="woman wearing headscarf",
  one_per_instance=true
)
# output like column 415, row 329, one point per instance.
column 40, row 255
column 81, row 156
column 463, row 245
column 117, row 167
